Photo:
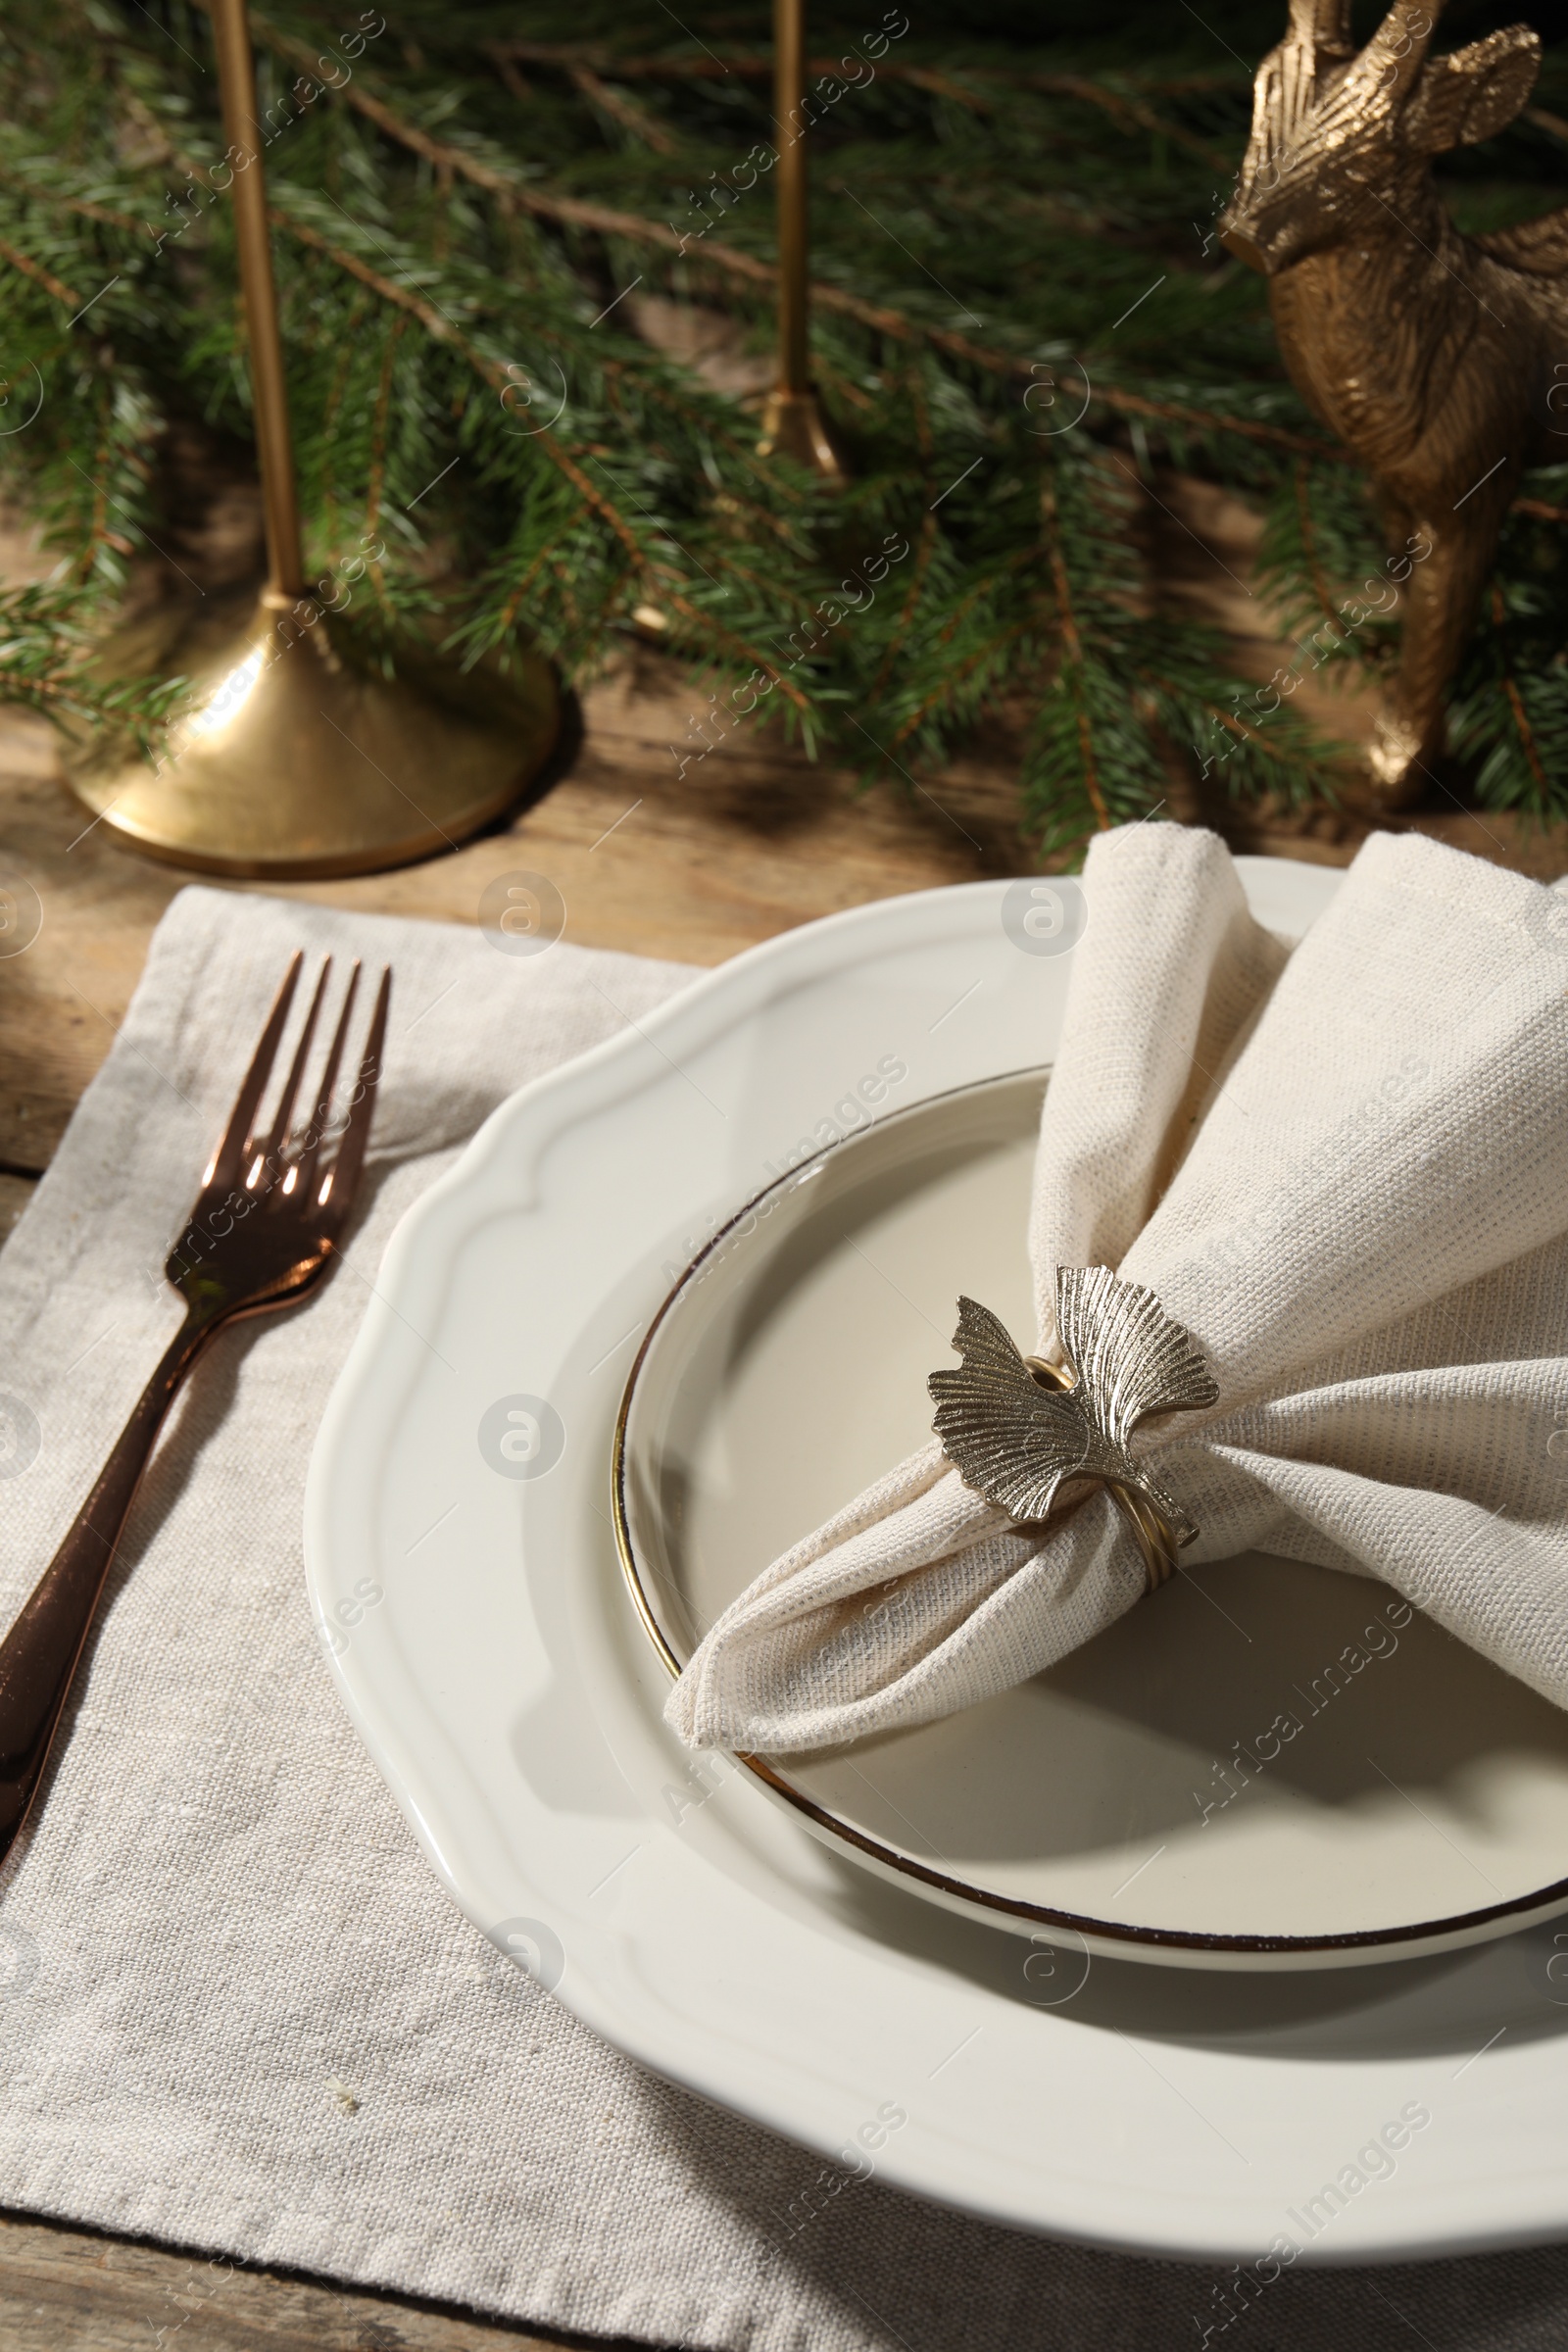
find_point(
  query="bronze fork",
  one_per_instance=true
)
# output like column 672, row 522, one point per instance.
column 264, row 1231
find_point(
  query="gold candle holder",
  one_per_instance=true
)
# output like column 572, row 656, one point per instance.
column 793, row 424
column 294, row 759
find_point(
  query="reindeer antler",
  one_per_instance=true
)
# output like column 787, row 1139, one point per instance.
column 1396, row 51
column 1322, row 25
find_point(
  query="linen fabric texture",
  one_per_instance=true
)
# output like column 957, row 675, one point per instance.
column 237, row 2010
column 1344, row 1170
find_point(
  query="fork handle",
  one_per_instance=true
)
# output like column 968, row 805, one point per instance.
column 40, row 1655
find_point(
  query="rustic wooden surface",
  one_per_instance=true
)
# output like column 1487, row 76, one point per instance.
column 747, row 844
column 68, row 2290
column 750, row 842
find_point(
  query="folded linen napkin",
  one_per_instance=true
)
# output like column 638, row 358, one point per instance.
column 1345, row 1171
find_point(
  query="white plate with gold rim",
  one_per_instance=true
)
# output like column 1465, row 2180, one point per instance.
column 1262, row 1766
column 512, row 1703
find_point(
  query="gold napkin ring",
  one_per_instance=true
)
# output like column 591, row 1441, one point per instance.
column 1017, row 1429
column 1157, row 1539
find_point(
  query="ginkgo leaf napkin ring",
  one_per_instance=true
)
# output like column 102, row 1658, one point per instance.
column 1016, row 1428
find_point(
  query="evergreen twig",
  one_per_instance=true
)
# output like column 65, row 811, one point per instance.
column 483, row 434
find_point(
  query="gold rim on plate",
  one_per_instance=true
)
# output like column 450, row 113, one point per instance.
column 890, row 1860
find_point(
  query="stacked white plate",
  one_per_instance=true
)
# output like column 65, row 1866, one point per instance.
column 687, row 1291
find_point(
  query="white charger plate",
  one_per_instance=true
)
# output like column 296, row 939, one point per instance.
column 513, row 1705
column 1263, row 1765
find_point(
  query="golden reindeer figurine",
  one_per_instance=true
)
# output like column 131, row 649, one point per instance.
column 1434, row 357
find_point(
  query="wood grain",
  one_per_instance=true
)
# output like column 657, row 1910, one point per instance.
column 750, row 843
column 71, row 2291
column 752, row 840
column 14, row 1194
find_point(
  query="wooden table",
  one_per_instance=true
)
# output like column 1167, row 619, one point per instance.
column 749, row 844
column 751, row 841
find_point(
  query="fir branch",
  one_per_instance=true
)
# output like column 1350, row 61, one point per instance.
column 1126, row 109
column 715, row 254
column 400, row 326
column 1522, row 726
column 39, row 274
column 623, row 110
column 383, row 397
column 925, row 548
column 40, row 192
column 46, row 665
column 1071, row 674
column 957, row 85
column 1303, row 509
column 657, row 580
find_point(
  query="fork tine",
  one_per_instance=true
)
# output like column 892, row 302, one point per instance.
column 279, row 1134
column 227, row 1160
column 312, row 1150
column 342, row 1180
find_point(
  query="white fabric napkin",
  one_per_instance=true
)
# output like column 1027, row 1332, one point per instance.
column 1344, row 1170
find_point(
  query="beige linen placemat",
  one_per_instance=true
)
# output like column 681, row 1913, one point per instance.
column 237, row 2012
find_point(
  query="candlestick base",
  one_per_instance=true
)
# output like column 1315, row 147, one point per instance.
column 295, row 759
column 792, row 426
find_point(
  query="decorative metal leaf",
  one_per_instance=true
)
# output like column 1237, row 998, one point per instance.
column 1132, row 1360
column 1016, row 1441
column 1009, row 1437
